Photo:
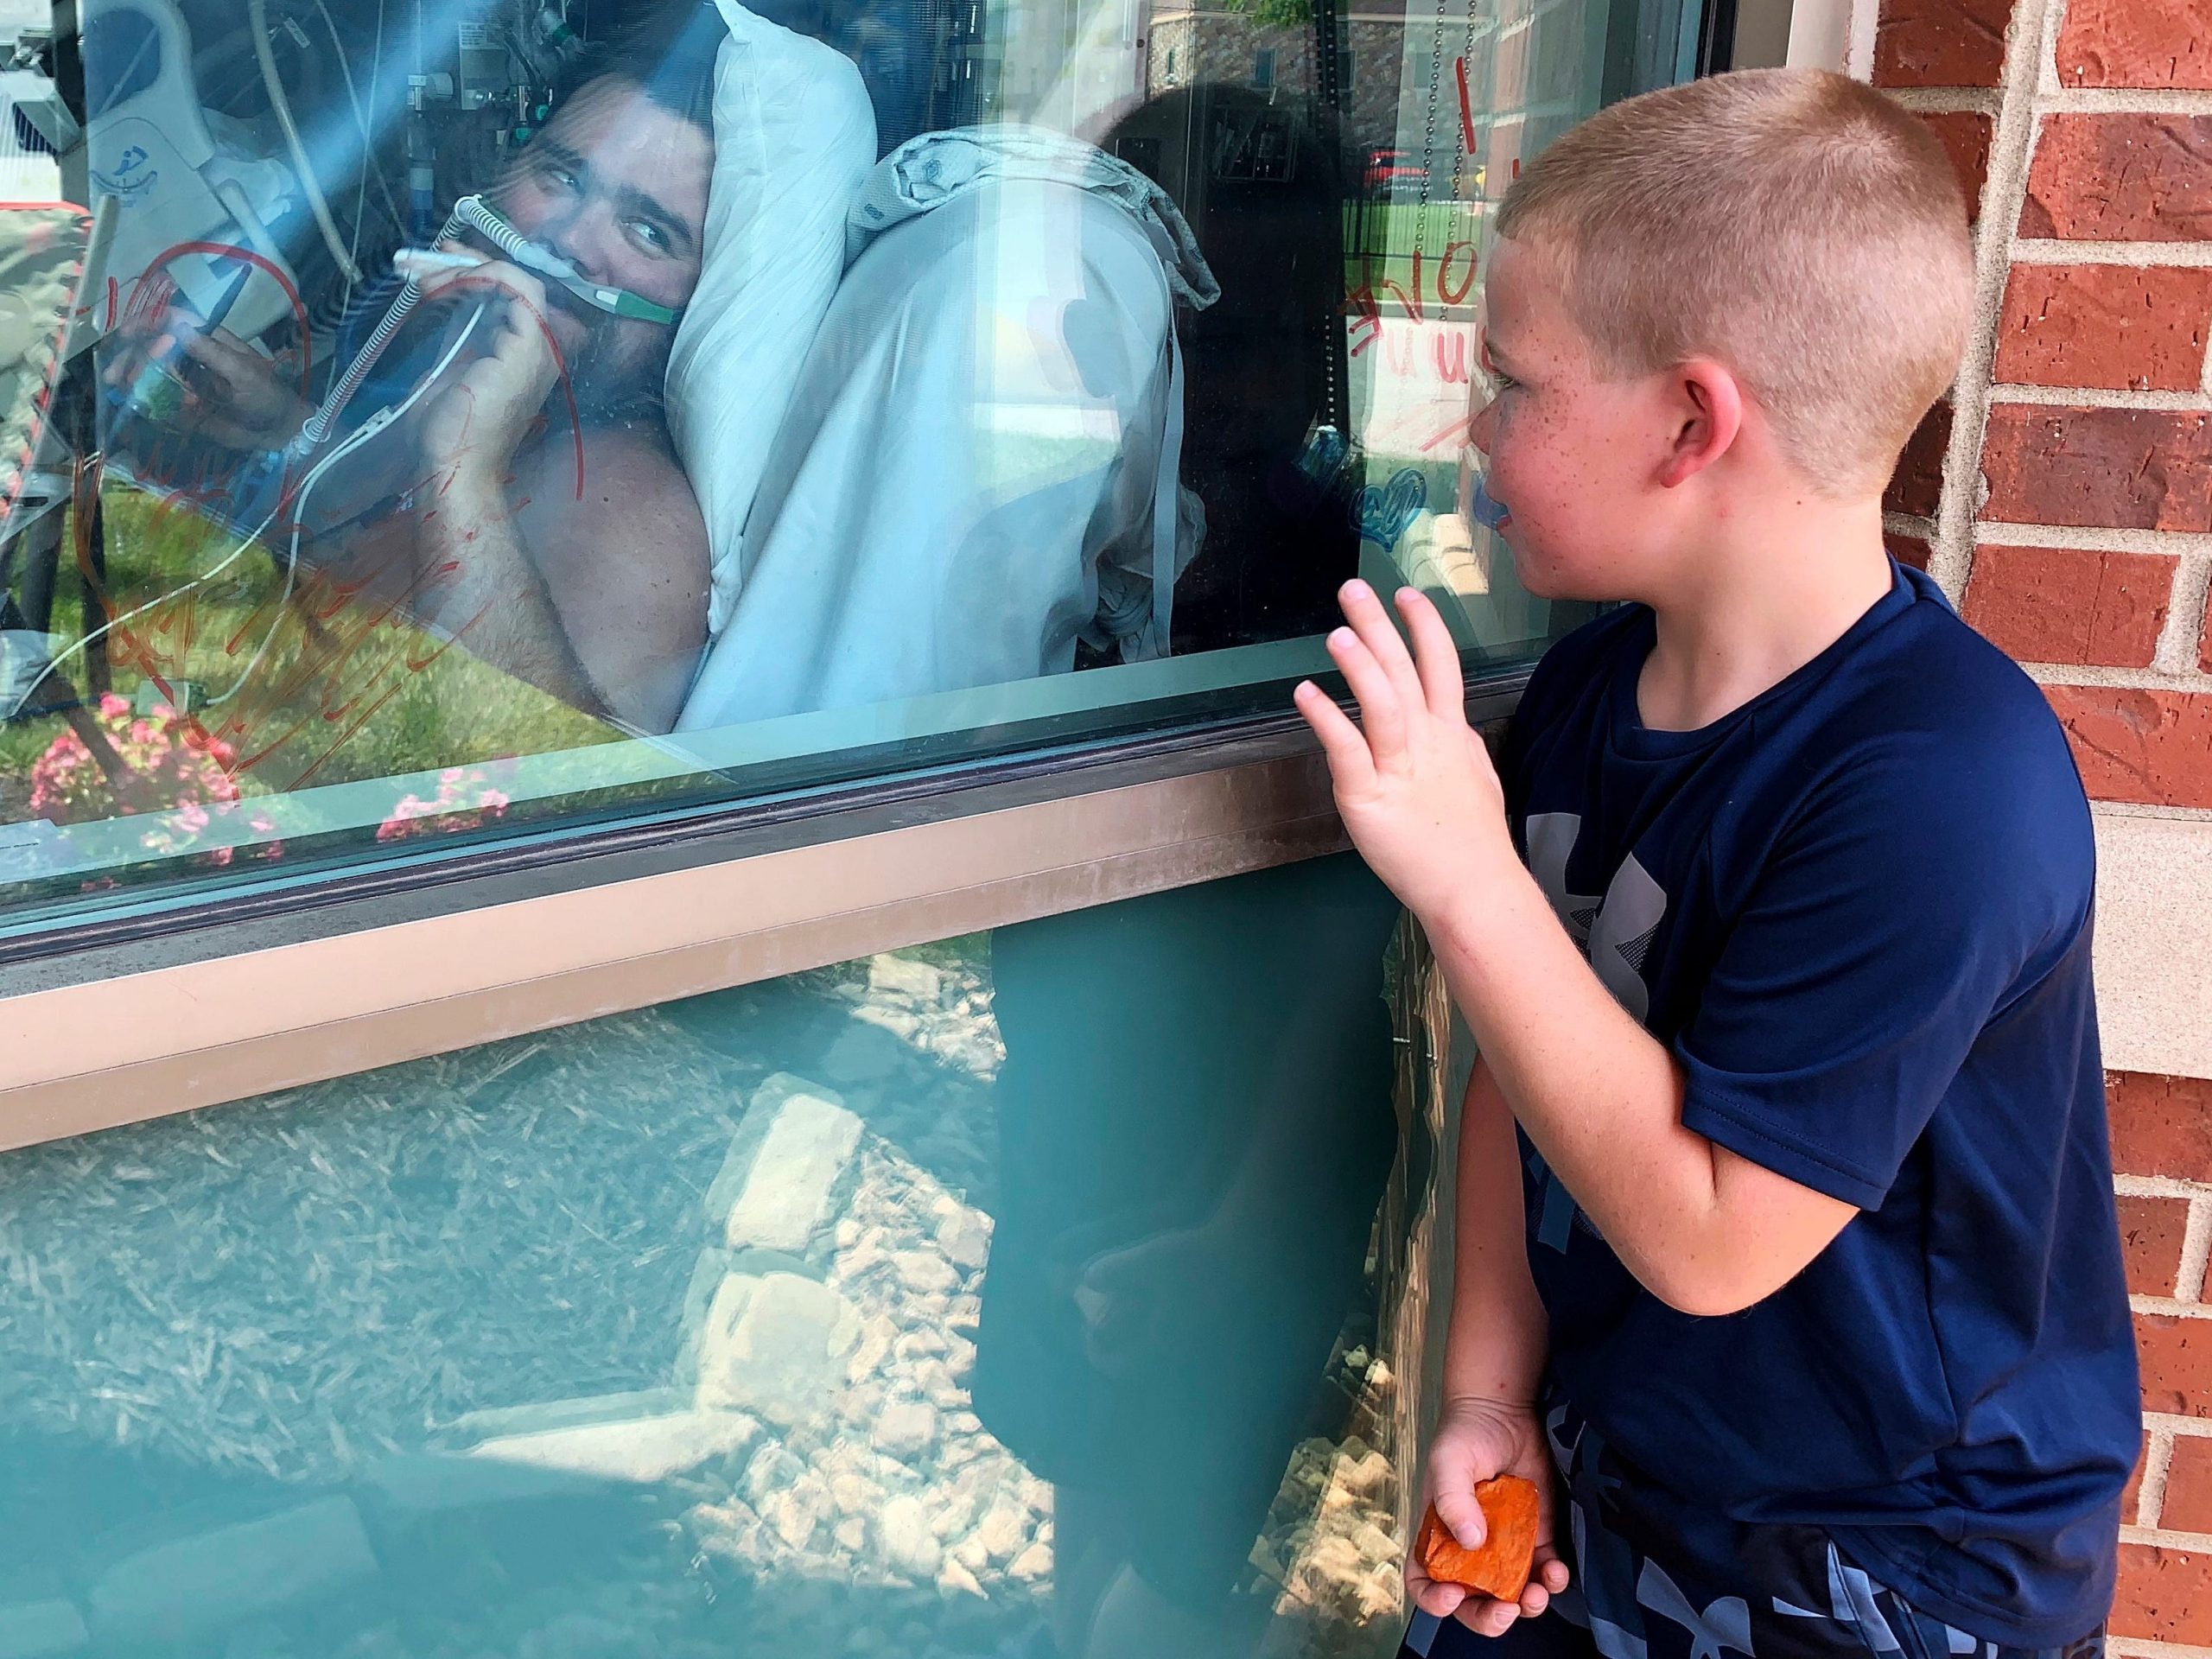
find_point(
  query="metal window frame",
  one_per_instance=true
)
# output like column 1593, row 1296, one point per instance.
column 333, row 982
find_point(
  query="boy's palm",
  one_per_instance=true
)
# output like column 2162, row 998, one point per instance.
column 1412, row 781
column 1477, row 1439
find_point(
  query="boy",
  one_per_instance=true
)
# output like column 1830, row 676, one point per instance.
column 1773, row 930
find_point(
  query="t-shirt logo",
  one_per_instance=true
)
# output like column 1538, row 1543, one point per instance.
column 1615, row 932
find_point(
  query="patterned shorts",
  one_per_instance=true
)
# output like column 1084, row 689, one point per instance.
column 1624, row 1604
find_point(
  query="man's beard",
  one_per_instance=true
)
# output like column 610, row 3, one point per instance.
column 619, row 373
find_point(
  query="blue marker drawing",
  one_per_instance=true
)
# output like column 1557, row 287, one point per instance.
column 1383, row 514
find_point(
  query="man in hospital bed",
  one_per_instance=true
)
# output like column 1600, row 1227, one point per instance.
column 531, row 504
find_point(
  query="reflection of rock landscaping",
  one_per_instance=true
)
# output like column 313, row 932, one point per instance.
column 646, row 1337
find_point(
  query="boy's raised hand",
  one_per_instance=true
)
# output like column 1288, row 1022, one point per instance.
column 1412, row 781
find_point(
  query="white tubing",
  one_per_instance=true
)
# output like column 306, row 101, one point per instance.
column 258, row 14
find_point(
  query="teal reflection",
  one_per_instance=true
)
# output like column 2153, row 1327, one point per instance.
column 1008, row 1296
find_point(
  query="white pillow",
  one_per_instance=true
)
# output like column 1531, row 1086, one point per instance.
column 794, row 137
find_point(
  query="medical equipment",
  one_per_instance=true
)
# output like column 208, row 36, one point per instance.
column 183, row 199
column 474, row 213
column 531, row 256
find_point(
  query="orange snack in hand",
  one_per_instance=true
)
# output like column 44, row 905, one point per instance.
column 1500, row 1567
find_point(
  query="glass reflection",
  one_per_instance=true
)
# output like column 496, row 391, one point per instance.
column 449, row 416
column 1040, row 1293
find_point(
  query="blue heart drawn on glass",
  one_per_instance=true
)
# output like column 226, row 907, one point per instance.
column 1383, row 514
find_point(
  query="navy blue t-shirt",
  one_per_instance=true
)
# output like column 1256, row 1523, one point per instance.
column 1857, row 910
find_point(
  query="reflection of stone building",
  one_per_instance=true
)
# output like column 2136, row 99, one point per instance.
column 1191, row 41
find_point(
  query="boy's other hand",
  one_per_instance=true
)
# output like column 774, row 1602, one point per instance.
column 1414, row 782
column 1477, row 1439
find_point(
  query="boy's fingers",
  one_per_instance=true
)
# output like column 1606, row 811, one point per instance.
column 1442, row 1599
column 1436, row 658
column 1462, row 1516
column 1534, row 1600
column 1487, row 1617
column 1341, row 742
column 1381, row 711
column 1366, row 611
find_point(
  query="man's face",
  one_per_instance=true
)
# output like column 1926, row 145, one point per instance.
column 1572, row 456
column 617, row 186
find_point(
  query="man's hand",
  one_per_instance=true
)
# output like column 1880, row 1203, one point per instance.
column 477, row 422
column 1414, row 782
column 238, row 399
column 1477, row 1439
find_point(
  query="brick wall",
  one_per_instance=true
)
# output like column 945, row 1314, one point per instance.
column 2063, row 497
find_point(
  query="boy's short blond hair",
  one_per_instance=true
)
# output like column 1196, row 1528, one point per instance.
column 1792, row 223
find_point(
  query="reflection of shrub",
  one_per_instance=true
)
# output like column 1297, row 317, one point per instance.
column 172, row 773
column 464, row 801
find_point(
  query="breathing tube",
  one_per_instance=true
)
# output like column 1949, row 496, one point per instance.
column 472, row 214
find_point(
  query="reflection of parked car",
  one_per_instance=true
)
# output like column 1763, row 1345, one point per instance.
column 1391, row 170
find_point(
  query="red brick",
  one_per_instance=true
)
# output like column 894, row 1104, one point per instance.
column 1917, row 486
column 2151, row 1233
column 2177, row 1358
column 1907, row 549
column 2071, row 605
column 2123, row 468
column 2137, row 43
column 2130, row 1496
column 2160, row 1125
column 1941, row 42
column 2165, row 1595
column 1964, row 134
column 2154, row 748
column 2188, row 1507
column 2105, row 326
column 2121, row 178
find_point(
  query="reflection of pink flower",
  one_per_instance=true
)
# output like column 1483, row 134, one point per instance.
column 165, row 771
column 464, row 801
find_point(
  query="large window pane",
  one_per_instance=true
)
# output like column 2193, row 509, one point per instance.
column 791, row 395
column 1070, row 1279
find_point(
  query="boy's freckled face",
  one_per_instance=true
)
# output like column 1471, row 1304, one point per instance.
column 1568, row 454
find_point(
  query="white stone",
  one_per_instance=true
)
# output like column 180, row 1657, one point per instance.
column 850, row 1534
column 854, row 1495
column 775, row 1345
column 965, row 1238
column 908, row 1544
column 924, row 1271
column 1002, row 1532
column 906, row 978
column 957, row 1579
column 774, row 1469
column 785, row 1197
column 795, row 1513
column 972, row 1554
column 906, row 1429
column 1034, row 1564
column 644, row 1450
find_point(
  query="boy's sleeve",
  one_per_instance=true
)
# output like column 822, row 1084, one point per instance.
column 1908, row 901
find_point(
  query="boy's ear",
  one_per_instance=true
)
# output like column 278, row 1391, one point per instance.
column 1707, row 411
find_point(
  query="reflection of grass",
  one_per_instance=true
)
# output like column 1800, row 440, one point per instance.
column 335, row 696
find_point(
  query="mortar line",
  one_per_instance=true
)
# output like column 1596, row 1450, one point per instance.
column 2059, row 98
column 2093, row 539
column 2195, row 1428
column 2158, row 1186
column 2169, row 1307
column 2196, row 1250
column 2183, row 402
column 2158, row 1460
column 2033, row 29
column 2180, row 642
column 2055, row 251
column 2116, row 679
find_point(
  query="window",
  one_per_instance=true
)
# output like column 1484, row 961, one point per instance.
column 1343, row 73
column 475, row 434
column 844, row 1313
